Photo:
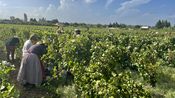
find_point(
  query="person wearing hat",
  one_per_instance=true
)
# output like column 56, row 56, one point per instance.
column 31, row 71
column 77, row 32
column 11, row 45
column 59, row 30
column 31, row 41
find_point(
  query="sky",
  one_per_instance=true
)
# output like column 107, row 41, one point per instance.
column 131, row 12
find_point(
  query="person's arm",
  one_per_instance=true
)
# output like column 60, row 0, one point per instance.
column 8, row 41
column 18, row 42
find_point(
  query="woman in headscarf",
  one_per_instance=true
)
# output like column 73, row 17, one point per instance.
column 31, row 41
column 32, row 70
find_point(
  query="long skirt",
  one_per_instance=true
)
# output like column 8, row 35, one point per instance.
column 30, row 70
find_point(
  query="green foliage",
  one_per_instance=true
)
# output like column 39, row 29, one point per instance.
column 162, row 24
column 92, row 62
column 7, row 90
column 103, row 62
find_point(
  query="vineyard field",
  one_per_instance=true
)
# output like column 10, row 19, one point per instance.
column 100, row 62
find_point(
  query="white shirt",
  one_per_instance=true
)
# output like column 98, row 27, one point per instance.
column 26, row 46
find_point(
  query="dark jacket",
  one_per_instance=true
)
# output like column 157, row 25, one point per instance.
column 12, row 41
column 38, row 49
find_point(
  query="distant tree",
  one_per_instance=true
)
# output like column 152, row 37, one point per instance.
column 110, row 25
column 25, row 17
column 159, row 24
column 12, row 19
column 83, row 24
column 33, row 20
column 18, row 21
column 99, row 25
column 122, row 25
column 66, row 24
column 115, row 24
column 167, row 24
column 162, row 24
column 137, row 26
column 75, row 24
column 54, row 21
column 42, row 20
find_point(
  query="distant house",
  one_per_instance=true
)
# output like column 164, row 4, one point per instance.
column 5, row 21
column 144, row 27
column 111, row 28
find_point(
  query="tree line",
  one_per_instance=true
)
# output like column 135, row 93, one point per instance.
column 43, row 21
column 159, row 24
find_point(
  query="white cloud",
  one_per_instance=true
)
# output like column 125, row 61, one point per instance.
column 49, row 12
column 77, row 11
column 65, row 3
column 90, row 1
column 108, row 2
column 50, row 7
column 2, row 4
column 132, row 4
column 134, row 17
column 128, row 13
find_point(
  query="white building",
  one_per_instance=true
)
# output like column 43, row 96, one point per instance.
column 144, row 27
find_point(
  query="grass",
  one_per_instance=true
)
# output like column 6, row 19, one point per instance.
column 58, row 89
column 166, row 83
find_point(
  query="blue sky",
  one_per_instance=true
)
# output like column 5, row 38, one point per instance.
column 143, row 12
